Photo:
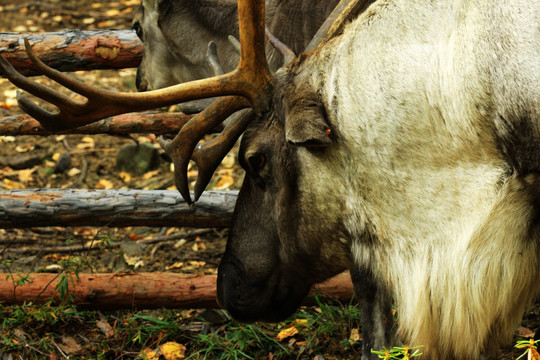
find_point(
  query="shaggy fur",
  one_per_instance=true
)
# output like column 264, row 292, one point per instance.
column 436, row 110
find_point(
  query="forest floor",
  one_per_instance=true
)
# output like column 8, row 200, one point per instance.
column 324, row 332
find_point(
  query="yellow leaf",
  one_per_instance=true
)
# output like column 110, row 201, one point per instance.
column 150, row 174
column 24, row 148
column 224, row 182
column 176, row 265
column 355, row 336
column 10, row 184
column 286, row 333
column 104, row 184
column 150, row 355
column 26, row 175
column 87, row 143
column 73, row 172
column 173, row 351
column 112, row 12
column 124, row 176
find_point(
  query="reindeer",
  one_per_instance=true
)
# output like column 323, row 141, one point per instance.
column 175, row 35
column 404, row 144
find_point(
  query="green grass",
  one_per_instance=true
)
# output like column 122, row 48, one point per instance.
column 36, row 332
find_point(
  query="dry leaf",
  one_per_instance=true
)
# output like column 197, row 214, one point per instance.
column 11, row 185
column 104, row 184
column 301, row 323
column 24, row 148
column 105, row 328
column 134, row 261
column 7, row 139
column 355, row 336
column 107, row 24
column 173, row 351
column 25, row 176
column 150, row 174
column 125, row 176
column 70, row 346
column 176, row 265
column 225, row 182
column 196, row 263
column 10, row 94
column 87, row 143
column 112, row 12
column 6, row 105
column 525, row 332
column 150, row 355
column 286, row 333
column 133, row 236
column 73, row 172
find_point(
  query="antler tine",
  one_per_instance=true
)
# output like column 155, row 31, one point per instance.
column 257, row 78
column 333, row 25
column 184, row 143
column 254, row 80
column 288, row 54
column 69, row 82
column 209, row 155
column 213, row 59
column 251, row 79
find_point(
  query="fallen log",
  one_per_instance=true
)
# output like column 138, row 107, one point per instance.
column 72, row 50
column 113, row 208
column 154, row 290
column 149, row 123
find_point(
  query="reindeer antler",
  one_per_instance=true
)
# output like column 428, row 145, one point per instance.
column 252, row 80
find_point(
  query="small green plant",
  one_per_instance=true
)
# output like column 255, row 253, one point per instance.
column 401, row 353
column 531, row 349
column 238, row 341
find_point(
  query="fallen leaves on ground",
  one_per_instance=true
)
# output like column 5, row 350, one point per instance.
column 168, row 351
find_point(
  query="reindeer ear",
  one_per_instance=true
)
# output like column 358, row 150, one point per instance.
column 306, row 124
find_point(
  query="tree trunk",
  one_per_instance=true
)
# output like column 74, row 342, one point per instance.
column 150, row 123
column 140, row 290
column 72, row 50
column 114, row 208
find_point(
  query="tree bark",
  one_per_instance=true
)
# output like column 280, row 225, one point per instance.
column 114, row 208
column 141, row 290
column 72, row 50
column 150, row 123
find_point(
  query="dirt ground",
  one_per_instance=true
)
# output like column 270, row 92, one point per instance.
column 93, row 159
column 93, row 165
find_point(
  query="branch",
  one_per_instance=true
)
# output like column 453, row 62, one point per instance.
column 154, row 290
column 151, row 123
column 114, row 208
column 72, row 50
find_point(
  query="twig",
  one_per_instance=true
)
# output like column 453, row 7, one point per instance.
column 183, row 235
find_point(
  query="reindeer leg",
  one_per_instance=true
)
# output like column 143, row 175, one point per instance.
column 376, row 307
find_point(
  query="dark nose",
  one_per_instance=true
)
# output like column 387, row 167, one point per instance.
column 140, row 81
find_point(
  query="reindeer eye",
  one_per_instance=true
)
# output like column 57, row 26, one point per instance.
column 138, row 29
column 257, row 162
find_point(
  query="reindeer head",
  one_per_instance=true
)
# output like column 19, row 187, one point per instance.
column 274, row 253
